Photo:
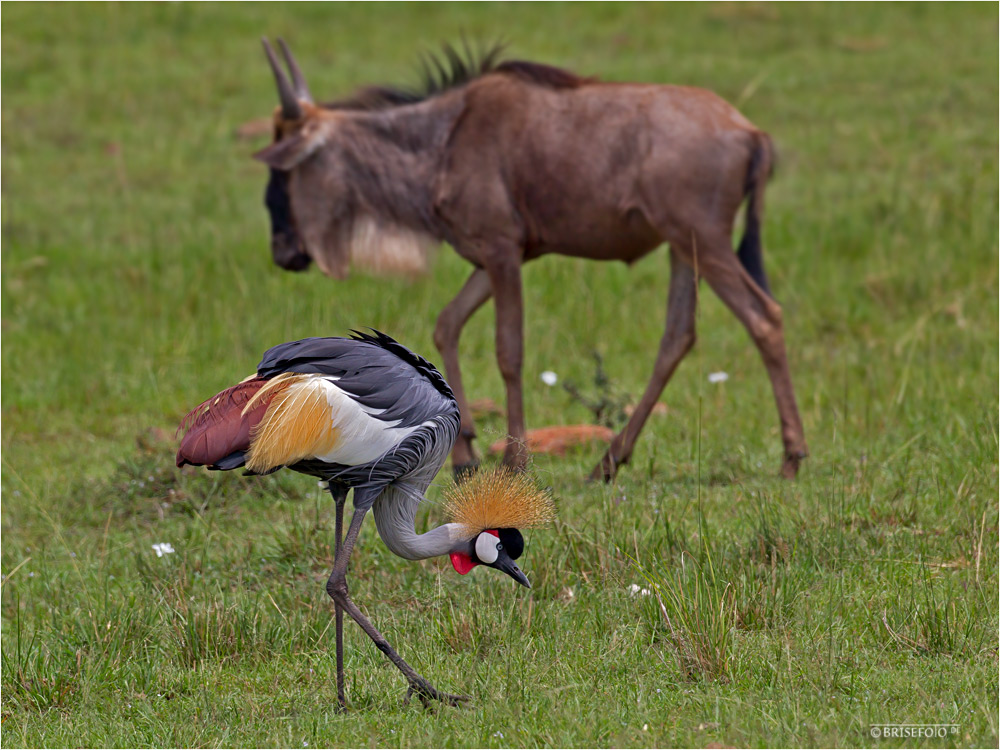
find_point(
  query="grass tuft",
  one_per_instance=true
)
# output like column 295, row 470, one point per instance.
column 698, row 614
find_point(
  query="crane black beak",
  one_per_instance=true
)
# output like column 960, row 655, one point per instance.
column 509, row 567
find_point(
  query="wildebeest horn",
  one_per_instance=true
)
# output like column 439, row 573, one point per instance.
column 290, row 107
column 298, row 80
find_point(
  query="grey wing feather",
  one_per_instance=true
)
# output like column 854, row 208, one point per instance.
column 393, row 383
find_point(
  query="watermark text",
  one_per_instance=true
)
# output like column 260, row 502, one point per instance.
column 908, row 731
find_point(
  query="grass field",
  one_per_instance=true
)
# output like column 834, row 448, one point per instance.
column 137, row 281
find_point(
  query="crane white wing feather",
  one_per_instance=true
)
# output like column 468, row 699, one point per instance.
column 312, row 418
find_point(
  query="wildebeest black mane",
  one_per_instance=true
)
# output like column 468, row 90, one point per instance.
column 452, row 68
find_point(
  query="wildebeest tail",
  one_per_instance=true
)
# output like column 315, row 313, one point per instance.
column 750, row 251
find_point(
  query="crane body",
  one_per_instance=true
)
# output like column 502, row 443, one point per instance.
column 365, row 414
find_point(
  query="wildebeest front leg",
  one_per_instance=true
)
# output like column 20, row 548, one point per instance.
column 446, row 334
column 676, row 342
column 505, row 279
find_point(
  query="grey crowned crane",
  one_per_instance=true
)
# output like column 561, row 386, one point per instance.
column 366, row 413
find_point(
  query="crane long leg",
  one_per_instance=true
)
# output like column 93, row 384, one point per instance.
column 336, row 587
column 339, row 493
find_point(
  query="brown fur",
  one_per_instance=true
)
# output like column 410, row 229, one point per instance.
column 557, row 440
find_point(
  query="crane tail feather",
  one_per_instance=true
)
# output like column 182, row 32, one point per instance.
column 218, row 429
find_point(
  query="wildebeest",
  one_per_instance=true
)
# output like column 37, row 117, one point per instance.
column 509, row 161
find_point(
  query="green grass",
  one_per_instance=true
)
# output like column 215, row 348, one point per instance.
column 137, row 281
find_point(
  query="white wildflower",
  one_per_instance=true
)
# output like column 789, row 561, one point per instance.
column 549, row 378
column 718, row 377
column 637, row 590
column 163, row 548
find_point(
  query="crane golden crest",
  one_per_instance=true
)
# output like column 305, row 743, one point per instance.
column 498, row 499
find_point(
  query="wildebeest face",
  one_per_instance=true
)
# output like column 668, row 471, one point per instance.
column 306, row 193
column 316, row 192
column 286, row 248
column 301, row 191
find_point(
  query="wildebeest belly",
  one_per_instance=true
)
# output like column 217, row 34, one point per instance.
column 585, row 228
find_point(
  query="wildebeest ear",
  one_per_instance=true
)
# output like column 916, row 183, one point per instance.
column 289, row 152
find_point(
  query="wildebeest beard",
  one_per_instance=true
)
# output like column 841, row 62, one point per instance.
column 286, row 247
column 377, row 246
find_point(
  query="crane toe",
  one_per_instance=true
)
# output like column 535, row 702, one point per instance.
column 427, row 693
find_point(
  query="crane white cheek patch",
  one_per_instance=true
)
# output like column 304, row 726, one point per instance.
column 486, row 548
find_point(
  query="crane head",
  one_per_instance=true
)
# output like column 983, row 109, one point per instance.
column 494, row 548
column 493, row 506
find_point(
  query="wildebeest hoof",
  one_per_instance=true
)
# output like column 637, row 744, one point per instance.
column 517, row 465
column 606, row 470
column 601, row 474
column 790, row 467
column 464, row 471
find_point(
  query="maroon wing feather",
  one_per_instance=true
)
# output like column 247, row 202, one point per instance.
column 217, row 428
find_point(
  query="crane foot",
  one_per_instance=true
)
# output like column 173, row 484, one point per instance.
column 427, row 693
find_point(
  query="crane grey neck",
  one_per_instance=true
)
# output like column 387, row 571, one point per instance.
column 395, row 513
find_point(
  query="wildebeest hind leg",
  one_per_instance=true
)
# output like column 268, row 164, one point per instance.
column 676, row 342
column 762, row 317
